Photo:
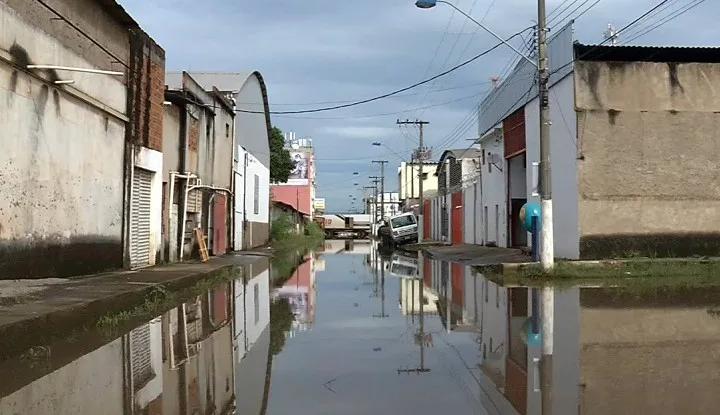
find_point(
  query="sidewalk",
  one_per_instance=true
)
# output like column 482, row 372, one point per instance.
column 33, row 311
column 475, row 255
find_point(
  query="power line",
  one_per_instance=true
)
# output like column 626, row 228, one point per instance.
column 389, row 94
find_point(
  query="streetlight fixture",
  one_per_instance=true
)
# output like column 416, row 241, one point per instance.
column 429, row 4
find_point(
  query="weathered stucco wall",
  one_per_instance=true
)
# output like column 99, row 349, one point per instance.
column 62, row 158
column 648, row 141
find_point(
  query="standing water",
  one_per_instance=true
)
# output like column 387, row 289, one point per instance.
column 349, row 329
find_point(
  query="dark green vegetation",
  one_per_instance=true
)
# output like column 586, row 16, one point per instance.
column 281, row 165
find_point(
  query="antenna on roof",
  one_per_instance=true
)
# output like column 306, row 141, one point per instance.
column 611, row 33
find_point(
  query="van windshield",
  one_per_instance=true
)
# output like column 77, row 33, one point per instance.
column 402, row 221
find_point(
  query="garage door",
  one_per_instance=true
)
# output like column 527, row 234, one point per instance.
column 140, row 219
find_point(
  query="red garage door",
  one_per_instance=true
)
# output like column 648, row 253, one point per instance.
column 456, row 218
column 219, row 225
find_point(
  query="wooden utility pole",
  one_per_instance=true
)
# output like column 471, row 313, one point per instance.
column 382, row 186
column 420, row 156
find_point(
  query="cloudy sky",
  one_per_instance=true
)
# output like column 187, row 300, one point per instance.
column 318, row 53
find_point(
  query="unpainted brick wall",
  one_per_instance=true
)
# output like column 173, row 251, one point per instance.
column 147, row 90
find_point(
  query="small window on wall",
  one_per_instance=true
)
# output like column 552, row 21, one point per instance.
column 227, row 130
column 425, row 176
column 256, row 207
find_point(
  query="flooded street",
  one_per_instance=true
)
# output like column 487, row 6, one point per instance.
column 351, row 330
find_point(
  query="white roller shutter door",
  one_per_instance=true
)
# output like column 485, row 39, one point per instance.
column 140, row 219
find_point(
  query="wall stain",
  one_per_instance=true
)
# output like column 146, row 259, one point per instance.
column 59, row 257
column 673, row 78
column 21, row 58
column 612, row 115
column 662, row 245
column 592, row 78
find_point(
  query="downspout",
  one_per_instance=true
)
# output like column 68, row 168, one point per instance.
column 231, row 205
column 245, row 221
column 182, row 202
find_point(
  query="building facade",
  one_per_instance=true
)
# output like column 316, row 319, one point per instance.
column 299, row 190
column 198, row 165
column 409, row 183
column 252, row 127
column 82, row 141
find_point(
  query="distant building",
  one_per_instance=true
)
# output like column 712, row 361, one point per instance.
column 409, row 183
column 390, row 201
column 299, row 191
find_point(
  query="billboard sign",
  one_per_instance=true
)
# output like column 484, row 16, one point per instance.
column 319, row 203
column 300, row 174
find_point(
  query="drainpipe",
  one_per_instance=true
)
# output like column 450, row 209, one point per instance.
column 183, row 151
column 171, row 200
column 245, row 222
column 199, row 185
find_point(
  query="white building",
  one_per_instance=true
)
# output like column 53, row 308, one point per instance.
column 390, row 201
column 509, row 145
column 252, row 199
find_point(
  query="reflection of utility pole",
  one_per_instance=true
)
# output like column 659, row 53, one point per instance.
column 382, row 295
column 421, row 331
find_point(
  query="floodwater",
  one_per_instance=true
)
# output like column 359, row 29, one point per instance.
column 352, row 330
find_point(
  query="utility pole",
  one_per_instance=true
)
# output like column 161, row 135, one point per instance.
column 412, row 177
column 420, row 155
column 547, row 301
column 382, row 186
column 376, row 180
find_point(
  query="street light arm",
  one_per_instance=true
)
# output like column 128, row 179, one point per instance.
column 489, row 31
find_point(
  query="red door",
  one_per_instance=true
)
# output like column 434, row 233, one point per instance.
column 219, row 225
column 426, row 219
column 458, row 284
column 456, row 218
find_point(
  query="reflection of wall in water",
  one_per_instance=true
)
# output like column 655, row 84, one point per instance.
column 654, row 358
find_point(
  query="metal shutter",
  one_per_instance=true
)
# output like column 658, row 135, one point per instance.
column 140, row 219
column 142, row 370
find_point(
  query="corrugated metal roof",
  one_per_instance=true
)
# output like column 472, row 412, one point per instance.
column 676, row 54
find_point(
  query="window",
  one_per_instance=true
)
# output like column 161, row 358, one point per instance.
column 256, row 292
column 424, row 176
column 256, row 207
column 227, row 130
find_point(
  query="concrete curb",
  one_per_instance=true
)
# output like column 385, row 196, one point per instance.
column 58, row 320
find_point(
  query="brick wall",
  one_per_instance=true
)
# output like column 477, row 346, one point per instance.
column 193, row 134
column 146, row 91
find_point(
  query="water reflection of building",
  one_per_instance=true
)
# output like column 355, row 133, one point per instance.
column 346, row 246
column 252, row 305
column 198, row 355
column 299, row 291
column 410, row 297
column 179, row 363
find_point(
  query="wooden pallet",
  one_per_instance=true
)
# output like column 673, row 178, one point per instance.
column 201, row 244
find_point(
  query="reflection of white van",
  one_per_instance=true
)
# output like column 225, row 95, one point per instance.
column 404, row 266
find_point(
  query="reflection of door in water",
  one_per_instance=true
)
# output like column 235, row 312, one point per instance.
column 518, row 235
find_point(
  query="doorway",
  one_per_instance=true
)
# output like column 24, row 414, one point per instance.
column 517, row 192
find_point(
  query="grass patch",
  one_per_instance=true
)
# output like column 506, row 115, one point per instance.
column 636, row 277
column 632, row 268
